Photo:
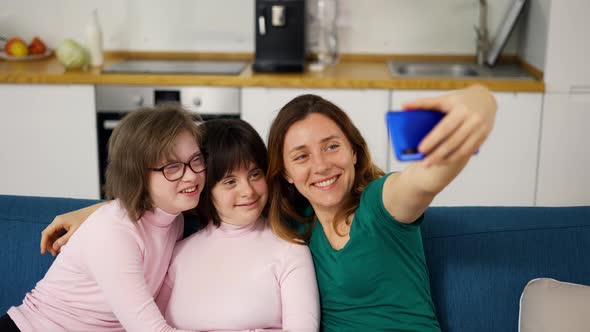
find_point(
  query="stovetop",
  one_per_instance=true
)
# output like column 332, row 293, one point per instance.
column 189, row 67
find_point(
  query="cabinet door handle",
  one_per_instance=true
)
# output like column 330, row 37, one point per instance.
column 580, row 89
column 110, row 124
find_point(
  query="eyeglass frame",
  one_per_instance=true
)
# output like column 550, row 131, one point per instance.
column 184, row 165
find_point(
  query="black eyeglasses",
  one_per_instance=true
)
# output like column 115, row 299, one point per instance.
column 175, row 171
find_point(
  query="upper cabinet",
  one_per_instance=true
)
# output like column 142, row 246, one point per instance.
column 568, row 46
column 48, row 141
column 504, row 170
column 366, row 109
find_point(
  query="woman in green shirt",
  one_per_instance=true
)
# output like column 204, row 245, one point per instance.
column 364, row 231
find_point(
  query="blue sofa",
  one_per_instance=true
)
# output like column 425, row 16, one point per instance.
column 480, row 258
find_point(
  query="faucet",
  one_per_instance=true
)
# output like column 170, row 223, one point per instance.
column 482, row 41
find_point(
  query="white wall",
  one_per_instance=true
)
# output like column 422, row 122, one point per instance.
column 417, row 26
column 172, row 25
column 367, row 26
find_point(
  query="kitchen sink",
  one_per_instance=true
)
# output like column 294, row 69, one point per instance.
column 188, row 67
column 434, row 69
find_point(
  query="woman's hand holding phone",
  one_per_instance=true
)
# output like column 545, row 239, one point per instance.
column 469, row 117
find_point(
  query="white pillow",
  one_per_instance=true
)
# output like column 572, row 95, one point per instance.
column 548, row 305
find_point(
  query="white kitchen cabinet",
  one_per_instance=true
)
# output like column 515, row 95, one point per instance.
column 48, row 141
column 564, row 162
column 504, row 171
column 366, row 108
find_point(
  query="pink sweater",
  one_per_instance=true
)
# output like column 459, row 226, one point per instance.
column 236, row 278
column 106, row 277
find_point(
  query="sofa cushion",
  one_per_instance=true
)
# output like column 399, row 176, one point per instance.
column 548, row 305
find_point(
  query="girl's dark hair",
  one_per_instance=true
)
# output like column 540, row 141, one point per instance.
column 228, row 144
column 287, row 205
column 141, row 140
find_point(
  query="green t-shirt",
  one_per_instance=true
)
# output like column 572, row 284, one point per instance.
column 379, row 280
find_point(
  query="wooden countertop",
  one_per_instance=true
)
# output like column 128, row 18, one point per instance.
column 353, row 72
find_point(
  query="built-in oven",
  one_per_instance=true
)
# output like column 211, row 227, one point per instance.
column 113, row 102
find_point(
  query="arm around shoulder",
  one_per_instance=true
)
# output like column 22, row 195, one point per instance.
column 52, row 237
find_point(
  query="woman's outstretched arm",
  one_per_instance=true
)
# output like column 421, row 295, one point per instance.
column 470, row 116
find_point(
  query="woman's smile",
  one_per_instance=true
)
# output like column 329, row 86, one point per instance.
column 326, row 183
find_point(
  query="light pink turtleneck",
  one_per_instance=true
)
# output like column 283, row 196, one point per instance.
column 240, row 278
column 106, row 277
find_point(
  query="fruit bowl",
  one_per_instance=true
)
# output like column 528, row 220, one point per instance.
column 48, row 52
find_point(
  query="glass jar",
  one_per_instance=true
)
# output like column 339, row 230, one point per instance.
column 324, row 38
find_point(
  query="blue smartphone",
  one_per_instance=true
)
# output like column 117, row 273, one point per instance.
column 408, row 128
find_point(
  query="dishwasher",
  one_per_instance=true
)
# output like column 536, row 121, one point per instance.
column 113, row 102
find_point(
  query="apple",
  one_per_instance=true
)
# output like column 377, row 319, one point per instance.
column 37, row 46
column 16, row 47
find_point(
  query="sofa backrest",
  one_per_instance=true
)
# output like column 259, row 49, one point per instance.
column 22, row 219
column 481, row 258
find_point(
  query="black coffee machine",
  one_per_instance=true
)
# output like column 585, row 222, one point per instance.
column 280, row 36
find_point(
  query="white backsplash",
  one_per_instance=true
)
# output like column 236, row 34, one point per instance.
column 366, row 26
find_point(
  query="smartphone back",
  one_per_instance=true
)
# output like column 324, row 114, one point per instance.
column 408, row 128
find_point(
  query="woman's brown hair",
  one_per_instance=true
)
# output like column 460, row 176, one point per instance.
column 287, row 206
column 143, row 139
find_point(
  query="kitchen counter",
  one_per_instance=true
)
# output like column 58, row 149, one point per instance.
column 353, row 72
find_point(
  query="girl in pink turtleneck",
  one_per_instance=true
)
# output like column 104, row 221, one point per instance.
column 106, row 277
column 236, row 274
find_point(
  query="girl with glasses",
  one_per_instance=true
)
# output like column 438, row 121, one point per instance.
column 106, row 277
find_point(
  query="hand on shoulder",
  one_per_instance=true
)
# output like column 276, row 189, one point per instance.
column 61, row 229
